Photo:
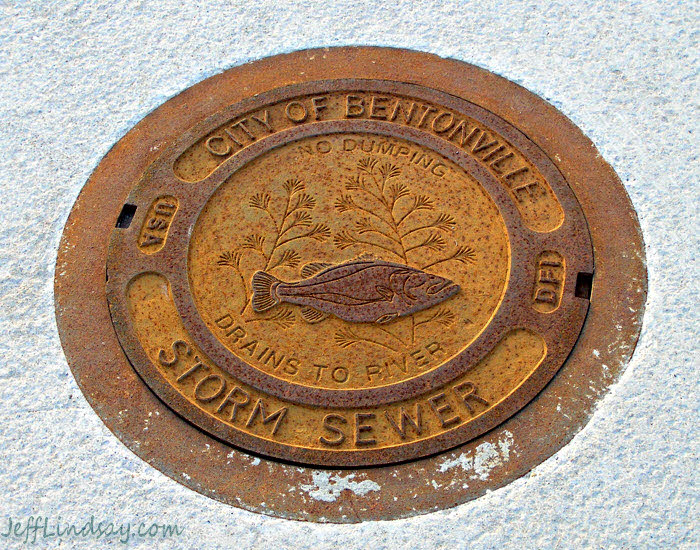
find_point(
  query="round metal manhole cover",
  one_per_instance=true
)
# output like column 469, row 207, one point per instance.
column 368, row 260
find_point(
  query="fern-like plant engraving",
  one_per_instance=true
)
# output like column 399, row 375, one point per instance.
column 383, row 214
column 385, row 210
column 292, row 222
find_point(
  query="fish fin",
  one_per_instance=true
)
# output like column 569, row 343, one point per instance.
column 264, row 296
column 386, row 318
column 385, row 292
column 311, row 315
column 309, row 270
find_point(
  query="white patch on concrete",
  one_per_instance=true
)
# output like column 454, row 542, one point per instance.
column 485, row 458
column 327, row 487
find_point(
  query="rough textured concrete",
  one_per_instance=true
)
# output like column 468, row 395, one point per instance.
column 76, row 76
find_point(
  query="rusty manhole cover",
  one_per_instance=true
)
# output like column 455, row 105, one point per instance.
column 361, row 259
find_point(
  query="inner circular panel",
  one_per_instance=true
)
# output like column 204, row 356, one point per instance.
column 332, row 254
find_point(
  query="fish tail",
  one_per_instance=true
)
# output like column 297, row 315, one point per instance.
column 264, row 296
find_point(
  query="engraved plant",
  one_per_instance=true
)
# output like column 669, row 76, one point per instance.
column 386, row 219
column 291, row 221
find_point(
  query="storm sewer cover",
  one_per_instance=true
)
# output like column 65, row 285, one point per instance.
column 330, row 262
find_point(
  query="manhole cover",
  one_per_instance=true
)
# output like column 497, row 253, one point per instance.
column 330, row 259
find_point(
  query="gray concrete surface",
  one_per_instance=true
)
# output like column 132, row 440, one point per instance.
column 75, row 76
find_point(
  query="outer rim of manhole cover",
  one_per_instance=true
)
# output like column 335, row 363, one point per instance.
column 210, row 466
column 165, row 269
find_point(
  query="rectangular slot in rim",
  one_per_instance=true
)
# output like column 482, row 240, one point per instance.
column 584, row 285
column 126, row 216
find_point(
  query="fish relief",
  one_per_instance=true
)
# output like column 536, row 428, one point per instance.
column 359, row 291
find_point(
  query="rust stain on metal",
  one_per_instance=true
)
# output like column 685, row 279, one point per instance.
column 354, row 267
